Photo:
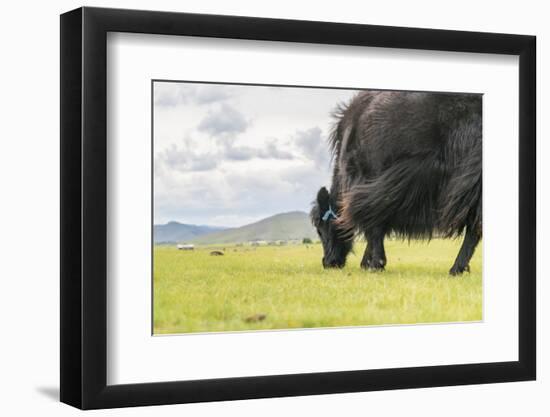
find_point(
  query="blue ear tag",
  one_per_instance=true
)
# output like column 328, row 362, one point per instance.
column 328, row 214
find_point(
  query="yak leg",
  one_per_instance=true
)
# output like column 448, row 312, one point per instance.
column 374, row 258
column 471, row 239
column 367, row 256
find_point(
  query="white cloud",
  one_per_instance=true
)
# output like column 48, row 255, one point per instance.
column 224, row 120
column 170, row 94
column 313, row 144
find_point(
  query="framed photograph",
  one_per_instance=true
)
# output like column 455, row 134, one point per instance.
column 257, row 208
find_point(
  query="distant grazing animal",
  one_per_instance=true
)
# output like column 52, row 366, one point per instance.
column 216, row 253
column 404, row 163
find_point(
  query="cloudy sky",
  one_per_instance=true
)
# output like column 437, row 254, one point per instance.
column 228, row 155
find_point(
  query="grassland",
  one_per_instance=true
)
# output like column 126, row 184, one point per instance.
column 197, row 292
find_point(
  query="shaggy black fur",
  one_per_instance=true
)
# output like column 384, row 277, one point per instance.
column 405, row 163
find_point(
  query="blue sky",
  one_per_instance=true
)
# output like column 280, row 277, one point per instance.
column 228, row 155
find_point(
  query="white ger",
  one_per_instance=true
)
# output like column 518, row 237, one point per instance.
column 187, row 246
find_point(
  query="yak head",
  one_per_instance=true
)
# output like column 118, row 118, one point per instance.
column 323, row 216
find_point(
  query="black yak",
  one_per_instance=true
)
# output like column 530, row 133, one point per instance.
column 406, row 164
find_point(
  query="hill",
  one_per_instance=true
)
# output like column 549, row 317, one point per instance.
column 284, row 226
column 173, row 232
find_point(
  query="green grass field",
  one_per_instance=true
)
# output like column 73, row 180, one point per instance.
column 197, row 292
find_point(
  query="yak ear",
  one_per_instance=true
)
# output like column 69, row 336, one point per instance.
column 323, row 199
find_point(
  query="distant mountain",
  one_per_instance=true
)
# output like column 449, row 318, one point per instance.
column 285, row 226
column 173, row 232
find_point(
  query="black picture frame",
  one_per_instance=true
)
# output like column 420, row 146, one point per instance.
column 84, row 207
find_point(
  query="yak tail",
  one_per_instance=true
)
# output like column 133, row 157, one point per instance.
column 404, row 196
column 462, row 205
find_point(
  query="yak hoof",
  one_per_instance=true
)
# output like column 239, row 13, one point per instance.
column 459, row 270
column 373, row 265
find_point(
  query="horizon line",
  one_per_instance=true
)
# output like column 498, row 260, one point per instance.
column 230, row 227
